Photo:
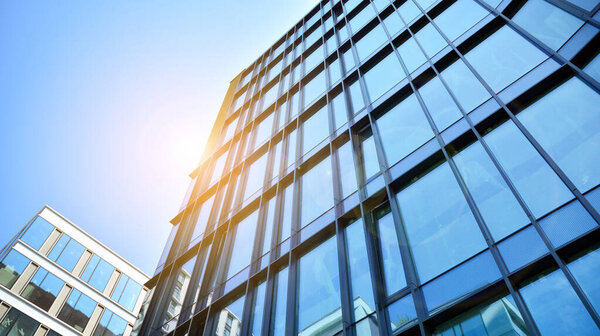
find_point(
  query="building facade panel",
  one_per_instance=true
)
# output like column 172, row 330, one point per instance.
column 438, row 157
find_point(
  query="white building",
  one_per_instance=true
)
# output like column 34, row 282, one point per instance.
column 55, row 279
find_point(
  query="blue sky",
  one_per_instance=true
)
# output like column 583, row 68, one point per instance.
column 105, row 106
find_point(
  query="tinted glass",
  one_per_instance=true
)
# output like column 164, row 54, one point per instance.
column 565, row 122
column 347, row 171
column 279, row 303
column 256, row 176
column 97, row 273
column 411, row 55
column 37, row 233
column 364, row 16
column 402, row 312
column 369, row 154
column 439, row 103
column 340, row 113
column 390, row 254
column 43, row 289
column 586, row 271
column 439, row 224
column 315, row 129
column 110, row 325
column 469, row 92
column 258, row 309
column 469, row 13
column 383, row 76
column 77, row 310
column 359, row 271
column 314, row 88
column 522, row 248
column 430, row 39
column 370, row 42
column 317, row 191
column 70, row 255
column 203, row 217
column 241, row 250
column 318, row 288
column 15, row 323
column 403, row 129
column 11, row 268
column 356, row 97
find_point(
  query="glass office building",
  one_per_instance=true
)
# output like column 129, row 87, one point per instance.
column 55, row 279
column 414, row 167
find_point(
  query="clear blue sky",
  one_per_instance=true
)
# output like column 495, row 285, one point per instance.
column 105, row 106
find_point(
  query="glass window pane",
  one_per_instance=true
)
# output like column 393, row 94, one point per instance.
column 547, row 23
column 340, row 113
column 522, row 248
column 317, row 191
column 349, row 60
column 552, row 294
column 279, row 303
column 291, row 145
column 411, row 55
column 37, row 233
column 403, row 129
column 313, row 89
column 347, row 171
column 15, row 323
column 69, row 256
column 264, row 130
column 98, row 273
column 501, row 317
column 469, row 13
column 431, row 40
column 11, row 267
column 130, row 294
column 359, row 272
column 315, row 129
column 269, row 222
column 362, row 18
column 565, row 122
column 229, row 320
column 393, row 270
column 335, row 71
column 203, row 217
column 318, row 289
column 409, row 11
column 586, row 271
column 441, row 229
column 369, row 154
column 402, row 312
column 499, row 208
column 539, row 186
column 218, row 168
column 43, row 289
column 593, row 68
column 315, row 58
column 393, row 23
column 370, row 42
column 356, row 97
column 288, row 208
column 383, row 76
column 567, row 223
column 256, row 176
column 440, row 104
column 241, row 244
column 110, row 325
column 258, row 309
column 469, row 92
column 504, row 57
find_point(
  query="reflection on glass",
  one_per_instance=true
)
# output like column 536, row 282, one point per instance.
column 586, row 271
column 317, row 191
column 77, row 310
column 347, row 171
column 500, row 317
column 340, row 114
column 565, row 122
column 242, row 236
column 37, row 233
column 256, row 176
column 430, row 39
column 383, row 76
column 539, row 186
column 126, row 292
column 15, row 323
column 11, row 267
column 319, row 291
column 258, row 309
column 391, row 259
column 552, row 294
column 402, row 312
column 411, row 55
column 439, row 103
column 403, row 129
column 469, row 13
column 522, row 248
column 313, row 89
column 279, row 303
column 356, row 97
column 97, row 273
column 502, row 213
column 359, row 272
column 43, row 289
column 370, row 42
column 369, row 154
column 439, row 224
column 66, row 252
column 110, row 325
column 203, row 217
column 315, row 129
column 469, row 91
column 229, row 320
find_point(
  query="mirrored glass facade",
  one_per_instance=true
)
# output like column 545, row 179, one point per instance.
column 413, row 167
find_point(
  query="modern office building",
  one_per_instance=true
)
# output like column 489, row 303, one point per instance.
column 55, row 279
column 414, row 167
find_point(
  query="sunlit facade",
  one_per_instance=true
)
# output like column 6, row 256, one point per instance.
column 414, row 167
column 55, row 279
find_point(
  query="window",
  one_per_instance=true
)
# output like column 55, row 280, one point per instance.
column 340, row 113
column 593, row 68
column 409, row 11
column 501, row 316
column 255, row 177
column 269, row 97
column 588, row 5
column 441, row 229
column 369, row 154
column 77, row 310
column 314, row 59
column 391, row 259
column 279, row 303
column 403, row 129
column 430, row 39
column 110, row 325
column 356, row 97
column 504, row 57
column 567, row 223
column 586, row 270
column 539, row 186
column 263, row 130
column 370, row 42
column 11, row 267
column 315, row 129
column 203, row 217
column 469, row 92
column 411, row 54
column 230, row 319
column 66, row 252
column 383, row 76
column 362, row 18
column 347, row 171
column 218, row 168
column 97, row 273
column 127, row 292
column 522, row 248
column 43, row 289
column 318, row 287
column 291, row 152
column 242, row 237
column 551, row 294
column 229, row 130
column 393, row 23
column 469, row 13
column 359, row 272
column 402, row 312
column 258, row 309
column 317, row 191
column 547, row 23
column 335, row 71
column 37, row 233
column 15, row 323
column 270, row 208
column 288, row 207
column 314, row 88
column 499, row 208
column 440, row 104
column 565, row 122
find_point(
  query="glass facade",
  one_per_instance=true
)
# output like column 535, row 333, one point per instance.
column 413, row 167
